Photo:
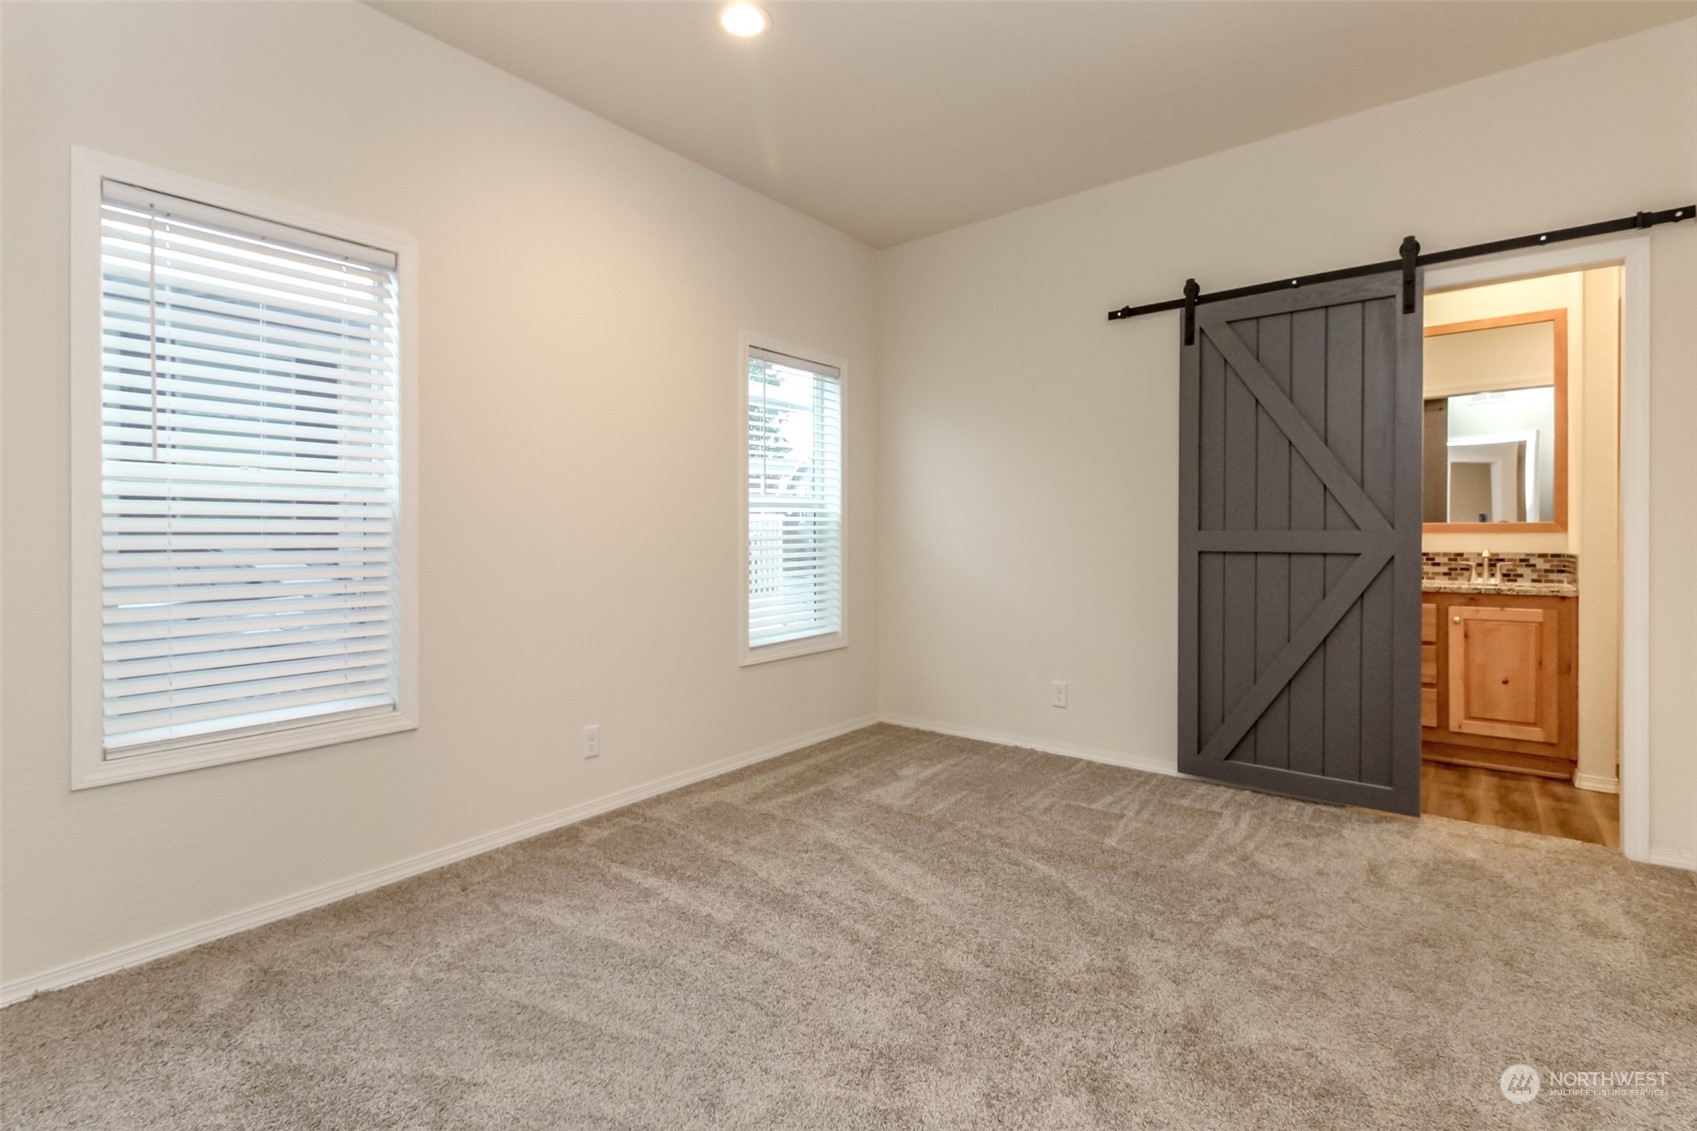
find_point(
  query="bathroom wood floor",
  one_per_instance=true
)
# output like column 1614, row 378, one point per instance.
column 1519, row 801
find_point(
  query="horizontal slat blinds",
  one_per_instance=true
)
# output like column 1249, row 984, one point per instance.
column 795, row 492
column 249, row 474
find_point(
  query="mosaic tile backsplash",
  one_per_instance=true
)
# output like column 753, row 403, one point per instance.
column 1539, row 569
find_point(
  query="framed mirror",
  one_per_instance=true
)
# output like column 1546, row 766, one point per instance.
column 1495, row 450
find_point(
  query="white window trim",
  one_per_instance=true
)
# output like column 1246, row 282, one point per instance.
column 807, row 645
column 89, row 766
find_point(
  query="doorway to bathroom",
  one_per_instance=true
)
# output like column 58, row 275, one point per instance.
column 1521, row 554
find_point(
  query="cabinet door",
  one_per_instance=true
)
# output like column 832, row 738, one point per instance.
column 1503, row 673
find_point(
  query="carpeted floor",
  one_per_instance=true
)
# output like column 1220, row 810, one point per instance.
column 898, row 929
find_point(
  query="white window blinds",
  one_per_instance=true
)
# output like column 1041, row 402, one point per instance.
column 795, row 493
column 249, row 474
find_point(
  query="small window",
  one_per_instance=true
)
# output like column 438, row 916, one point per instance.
column 242, row 528
column 793, row 528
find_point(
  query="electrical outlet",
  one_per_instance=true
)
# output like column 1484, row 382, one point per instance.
column 1058, row 696
column 592, row 741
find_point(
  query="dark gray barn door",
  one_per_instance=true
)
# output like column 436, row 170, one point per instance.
column 1299, row 543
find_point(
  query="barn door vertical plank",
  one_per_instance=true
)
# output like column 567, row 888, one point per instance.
column 1308, row 512
column 1211, row 515
column 1241, row 412
column 1272, row 571
column 1406, row 596
column 1343, row 647
column 1378, row 479
column 1189, row 563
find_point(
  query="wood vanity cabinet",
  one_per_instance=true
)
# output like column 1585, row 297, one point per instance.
column 1499, row 681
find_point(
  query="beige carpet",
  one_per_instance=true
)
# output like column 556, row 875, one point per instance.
column 897, row 929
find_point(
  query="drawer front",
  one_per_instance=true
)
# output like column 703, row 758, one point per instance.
column 1428, row 624
column 1428, row 706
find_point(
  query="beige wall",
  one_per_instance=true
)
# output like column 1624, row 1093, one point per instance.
column 1028, row 447
column 1599, row 565
column 1503, row 357
column 581, row 296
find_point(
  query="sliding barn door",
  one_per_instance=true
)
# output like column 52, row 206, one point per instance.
column 1299, row 539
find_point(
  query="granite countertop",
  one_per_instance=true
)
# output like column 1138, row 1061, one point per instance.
column 1507, row 588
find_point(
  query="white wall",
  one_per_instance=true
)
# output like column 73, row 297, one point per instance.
column 1028, row 447
column 581, row 296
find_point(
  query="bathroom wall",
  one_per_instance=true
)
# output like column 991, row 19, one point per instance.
column 1599, row 565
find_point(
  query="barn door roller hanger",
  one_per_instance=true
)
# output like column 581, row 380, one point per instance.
column 1408, row 261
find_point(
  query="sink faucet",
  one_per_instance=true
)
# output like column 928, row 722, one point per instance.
column 1482, row 571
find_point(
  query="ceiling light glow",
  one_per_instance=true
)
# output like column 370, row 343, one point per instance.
column 745, row 20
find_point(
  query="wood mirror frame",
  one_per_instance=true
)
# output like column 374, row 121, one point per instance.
column 1558, row 319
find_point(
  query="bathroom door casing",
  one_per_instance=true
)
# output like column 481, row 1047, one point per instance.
column 1299, row 544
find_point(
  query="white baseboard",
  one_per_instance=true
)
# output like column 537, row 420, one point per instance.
column 1088, row 753
column 1668, row 858
column 137, row 953
column 1596, row 783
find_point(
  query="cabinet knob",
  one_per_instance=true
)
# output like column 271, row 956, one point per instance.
column 1457, row 620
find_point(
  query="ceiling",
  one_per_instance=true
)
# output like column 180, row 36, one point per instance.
column 892, row 121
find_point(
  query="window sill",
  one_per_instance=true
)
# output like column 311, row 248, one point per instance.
column 97, row 770
column 806, row 646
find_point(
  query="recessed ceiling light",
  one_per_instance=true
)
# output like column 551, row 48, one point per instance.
column 745, row 20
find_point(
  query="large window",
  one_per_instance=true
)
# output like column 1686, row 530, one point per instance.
column 794, row 517
column 242, row 546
